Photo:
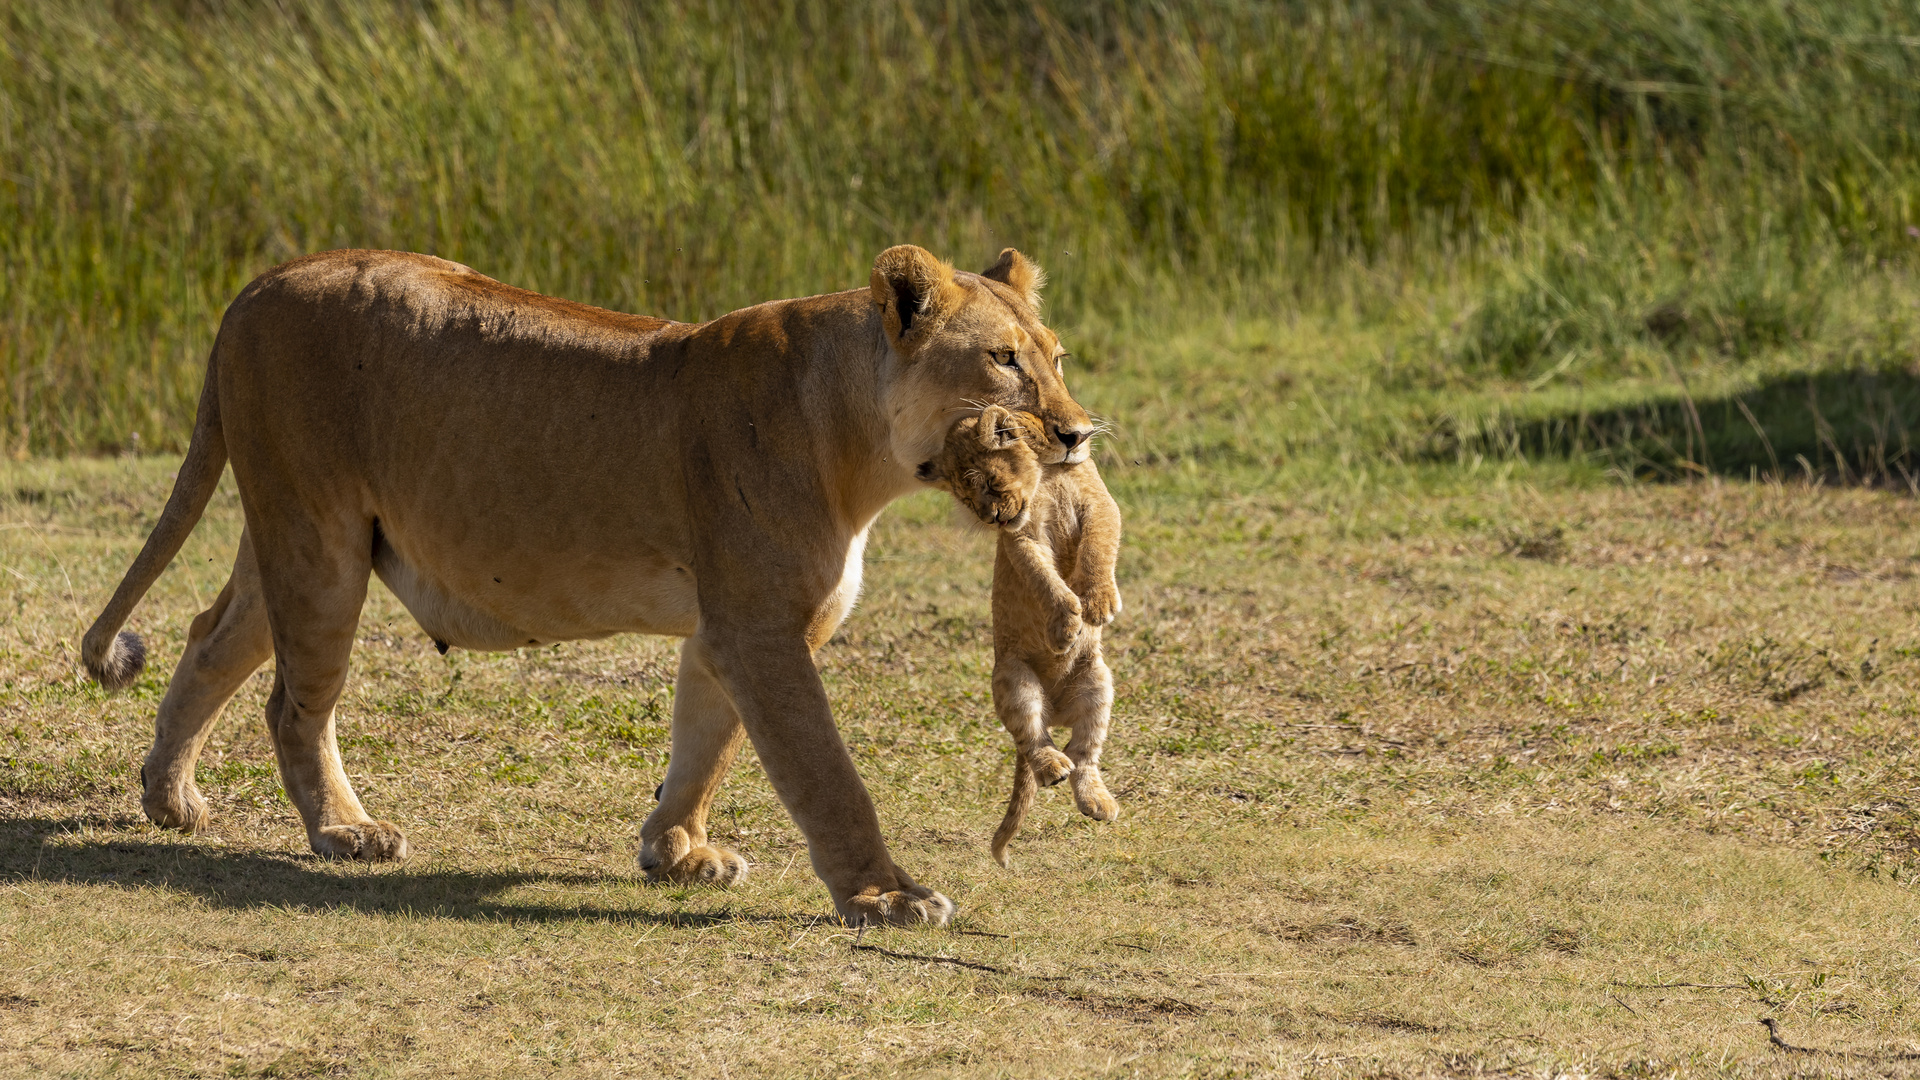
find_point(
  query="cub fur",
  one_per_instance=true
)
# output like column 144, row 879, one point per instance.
column 1053, row 592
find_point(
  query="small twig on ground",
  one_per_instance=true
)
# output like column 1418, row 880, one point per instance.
column 956, row 962
column 1679, row 985
column 1624, row 1005
column 984, row 933
column 1773, row 1036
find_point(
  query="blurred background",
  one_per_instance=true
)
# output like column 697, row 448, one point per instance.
column 1658, row 236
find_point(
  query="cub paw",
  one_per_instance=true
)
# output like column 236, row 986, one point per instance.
column 1050, row 766
column 1100, row 604
column 915, row 905
column 1063, row 629
column 1091, row 796
column 675, row 858
column 373, row 841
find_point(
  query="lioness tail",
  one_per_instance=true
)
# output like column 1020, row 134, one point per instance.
column 114, row 659
column 1017, row 804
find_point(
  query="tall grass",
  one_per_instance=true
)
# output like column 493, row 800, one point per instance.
column 685, row 158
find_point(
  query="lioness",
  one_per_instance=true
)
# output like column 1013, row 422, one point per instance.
column 1053, row 591
column 520, row 469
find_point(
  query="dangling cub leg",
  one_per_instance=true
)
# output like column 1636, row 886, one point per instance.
column 1021, row 700
column 1085, row 704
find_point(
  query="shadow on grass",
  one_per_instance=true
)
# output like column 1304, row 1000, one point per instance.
column 245, row 879
column 1853, row 426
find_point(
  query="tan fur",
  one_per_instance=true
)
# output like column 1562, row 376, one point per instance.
column 521, row 469
column 1053, row 592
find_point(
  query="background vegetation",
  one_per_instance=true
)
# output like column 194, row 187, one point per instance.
column 1516, row 225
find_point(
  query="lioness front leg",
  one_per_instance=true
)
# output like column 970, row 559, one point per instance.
column 783, row 705
column 706, row 736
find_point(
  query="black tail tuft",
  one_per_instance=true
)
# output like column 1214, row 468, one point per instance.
column 122, row 663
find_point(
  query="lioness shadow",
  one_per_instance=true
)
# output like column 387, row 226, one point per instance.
column 250, row 879
column 1852, row 426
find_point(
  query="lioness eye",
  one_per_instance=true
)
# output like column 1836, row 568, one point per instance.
column 1007, row 358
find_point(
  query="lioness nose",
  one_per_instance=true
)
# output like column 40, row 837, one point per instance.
column 1071, row 437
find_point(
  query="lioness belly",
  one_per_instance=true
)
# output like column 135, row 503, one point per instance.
column 595, row 603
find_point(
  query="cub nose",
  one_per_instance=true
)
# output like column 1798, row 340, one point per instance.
column 1071, row 437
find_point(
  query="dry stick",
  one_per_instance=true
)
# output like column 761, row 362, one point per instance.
column 862, row 933
column 929, row 959
column 1773, row 1036
column 1674, row 986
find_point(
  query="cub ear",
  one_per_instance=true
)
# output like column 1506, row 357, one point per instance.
column 1018, row 273
column 997, row 428
column 914, row 292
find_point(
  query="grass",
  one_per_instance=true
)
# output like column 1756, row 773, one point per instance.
column 1445, row 744
column 1424, row 768
column 1520, row 190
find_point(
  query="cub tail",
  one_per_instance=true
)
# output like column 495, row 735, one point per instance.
column 1017, row 805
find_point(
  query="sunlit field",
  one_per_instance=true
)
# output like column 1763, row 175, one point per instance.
column 1511, row 409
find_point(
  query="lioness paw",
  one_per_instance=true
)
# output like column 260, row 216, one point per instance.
column 1050, row 766
column 677, row 859
column 182, row 809
column 915, row 905
column 374, row 841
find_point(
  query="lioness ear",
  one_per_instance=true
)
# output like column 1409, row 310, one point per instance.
column 1018, row 273
column 914, row 291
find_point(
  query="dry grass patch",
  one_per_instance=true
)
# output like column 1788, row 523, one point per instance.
column 1399, row 798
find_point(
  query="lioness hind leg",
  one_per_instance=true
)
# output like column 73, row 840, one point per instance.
column 1086, row 704
column 1020, row 699
column 226, row 643
column 706, row 736
column 315, row 586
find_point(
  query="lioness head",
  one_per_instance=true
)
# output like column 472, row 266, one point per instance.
column 968, row 341
column 989, row 465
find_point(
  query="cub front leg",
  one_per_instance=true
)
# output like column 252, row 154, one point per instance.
column 1093, row 572
column 770, row 678
column 706, row 736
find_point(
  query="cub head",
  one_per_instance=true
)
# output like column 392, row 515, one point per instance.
column 963, row 342
column 989, row 465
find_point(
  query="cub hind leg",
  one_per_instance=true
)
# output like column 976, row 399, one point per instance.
column 1085, row 703
column 1020, row 699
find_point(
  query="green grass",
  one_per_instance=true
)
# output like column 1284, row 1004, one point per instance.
column 1519, row 190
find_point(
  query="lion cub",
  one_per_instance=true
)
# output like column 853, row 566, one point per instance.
column 1053, row 591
